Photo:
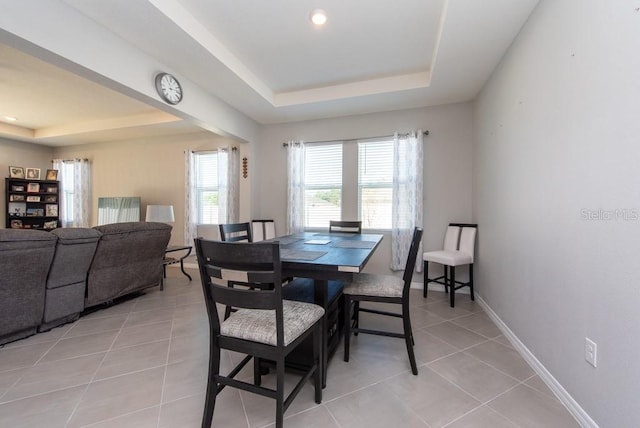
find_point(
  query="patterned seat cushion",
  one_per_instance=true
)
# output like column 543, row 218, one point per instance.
column 260, row 325
column 366, row 284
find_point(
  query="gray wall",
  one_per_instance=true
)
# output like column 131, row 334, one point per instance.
column 556, row 152
column 447, row 165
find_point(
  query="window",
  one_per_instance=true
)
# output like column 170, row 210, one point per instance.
column 74, row 201
column 349, row 181
column 375, row 183
column 323, row 184
column 68, row 186
column 206, row 187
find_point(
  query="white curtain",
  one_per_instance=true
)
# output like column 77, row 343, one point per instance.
column 190, row 208
column 228, row 185
column 295, row 187
column 75, row 183
column 407, row 195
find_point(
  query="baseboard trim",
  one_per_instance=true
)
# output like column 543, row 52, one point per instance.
column 565, row 398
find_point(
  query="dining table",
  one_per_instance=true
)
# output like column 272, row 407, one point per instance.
column 324, row 257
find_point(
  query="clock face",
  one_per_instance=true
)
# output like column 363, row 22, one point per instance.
column 168, row 88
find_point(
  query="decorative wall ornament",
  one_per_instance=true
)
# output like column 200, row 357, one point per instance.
column 245, row 171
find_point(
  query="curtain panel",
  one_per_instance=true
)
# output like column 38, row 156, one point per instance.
column 295, row 187
column 228, row 185
column 75, row 183
column 407, row 195
column 190, row 208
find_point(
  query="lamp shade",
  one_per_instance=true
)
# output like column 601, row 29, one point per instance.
column 160, row 213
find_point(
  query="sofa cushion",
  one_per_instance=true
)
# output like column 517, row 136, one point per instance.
column 25, row 258
column 128, row 258
column 76, row 235
column 74, row 252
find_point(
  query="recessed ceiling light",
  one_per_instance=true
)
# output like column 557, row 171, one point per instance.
column 318, row 17
column 11, row 118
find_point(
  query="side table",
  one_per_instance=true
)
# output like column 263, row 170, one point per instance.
column 171, row 260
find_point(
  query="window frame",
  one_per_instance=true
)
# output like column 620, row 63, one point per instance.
column 198, row 190
column 378, row 185
column 68, row 194
column 308, row 187
column 350, row 201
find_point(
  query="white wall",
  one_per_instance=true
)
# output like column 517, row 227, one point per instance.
column 447, row 165
column 556, row 140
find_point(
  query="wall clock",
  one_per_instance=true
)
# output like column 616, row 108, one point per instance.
column 168, row 88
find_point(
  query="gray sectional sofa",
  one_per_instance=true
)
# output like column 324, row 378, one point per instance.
column 50, row 278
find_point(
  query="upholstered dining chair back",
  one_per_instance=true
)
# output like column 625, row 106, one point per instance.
column 468, row 241
column 236, row 232
column 452, row 238
column 263, row 230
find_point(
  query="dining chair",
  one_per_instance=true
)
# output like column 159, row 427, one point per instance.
column 265, row 327
column 390, row 289
column 236, row 232
column 345, row 226
column 459, row 246
column 263, row 230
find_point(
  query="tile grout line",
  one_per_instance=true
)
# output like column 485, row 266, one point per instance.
column 166, row 367
column 75, row 408
column 27, row 367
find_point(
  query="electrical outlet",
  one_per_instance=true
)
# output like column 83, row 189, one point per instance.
column 591, row 352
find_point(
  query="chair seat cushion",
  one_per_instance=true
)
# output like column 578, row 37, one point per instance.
column 260, row 325
column 366, row 284
column 447, row 257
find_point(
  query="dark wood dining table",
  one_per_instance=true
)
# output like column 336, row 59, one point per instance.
column 324, row 256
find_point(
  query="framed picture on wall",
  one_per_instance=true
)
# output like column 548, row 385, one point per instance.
column 52, row 174
column 33, row 173
column 16, row 172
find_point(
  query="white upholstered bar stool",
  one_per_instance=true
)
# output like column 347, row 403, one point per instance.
column 459, row 247
column 263, row 230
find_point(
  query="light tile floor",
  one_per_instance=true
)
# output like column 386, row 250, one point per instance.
column 143, row 363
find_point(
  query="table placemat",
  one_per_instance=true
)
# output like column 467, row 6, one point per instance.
column 290, row 254
column 354, row 244
column 286, row 240
column 317, row 241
